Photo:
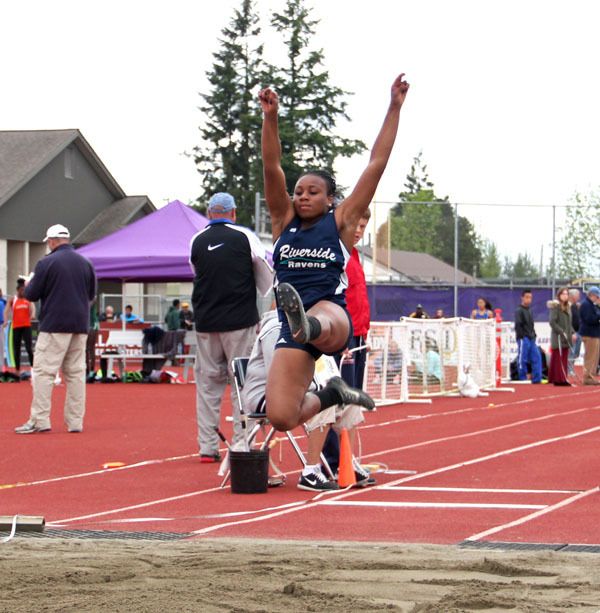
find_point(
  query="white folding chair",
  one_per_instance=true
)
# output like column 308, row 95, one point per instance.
column 256, row 421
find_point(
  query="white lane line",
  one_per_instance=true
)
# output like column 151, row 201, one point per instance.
column 436, row 471
column 135, row 506
column 413, row 418
column 429, row 505
column 445, row 439
column 402, row 480
column 531, row 516
column 98, row 472
column 483, row 490
column 492, row 456
column 299, row 437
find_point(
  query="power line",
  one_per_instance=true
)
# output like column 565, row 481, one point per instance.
column 546, row 206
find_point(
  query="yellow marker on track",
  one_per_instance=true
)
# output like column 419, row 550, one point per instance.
column 113, row 464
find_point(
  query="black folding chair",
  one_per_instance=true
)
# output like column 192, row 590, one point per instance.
column 255, row 421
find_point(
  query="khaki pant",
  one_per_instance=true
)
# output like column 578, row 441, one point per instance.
column 590, row 358
column 54, row 351
column 215, row 352
column 338, row 417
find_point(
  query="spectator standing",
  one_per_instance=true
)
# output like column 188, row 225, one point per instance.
column 229, row 262
column 172, row 317
column 528, row 352
column 482, row 311
column 186, row 317
column 589, row 328
column 2, row 307
column 20, row 311
column 419, row 313
column 574, row 296
column 90, row 345
column 439, row 314
column 62, row 278
column 561, row 337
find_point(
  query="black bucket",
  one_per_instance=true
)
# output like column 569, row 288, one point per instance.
column 249, row 471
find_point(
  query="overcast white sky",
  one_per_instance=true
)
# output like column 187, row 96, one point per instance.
column 504, row 96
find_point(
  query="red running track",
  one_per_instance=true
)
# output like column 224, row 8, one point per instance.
column 523, row 470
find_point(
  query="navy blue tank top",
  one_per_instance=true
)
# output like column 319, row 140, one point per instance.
column 313, row 260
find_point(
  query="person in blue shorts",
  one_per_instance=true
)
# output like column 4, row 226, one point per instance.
column 312, row 243
column 529, row 352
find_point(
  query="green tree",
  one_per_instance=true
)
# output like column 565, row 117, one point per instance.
column 310, row 106
column 228, row 156
column 579, row 246
column 418, row 187
column 423, row 222
column 521, row 268
column 491, row 265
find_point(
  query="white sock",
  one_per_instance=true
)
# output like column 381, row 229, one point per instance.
column 311, row 468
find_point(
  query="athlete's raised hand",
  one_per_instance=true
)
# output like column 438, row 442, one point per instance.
column 269, row 101
column 399, row 90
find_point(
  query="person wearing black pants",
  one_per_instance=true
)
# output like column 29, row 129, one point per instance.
column 22, row 335
column 20, row 311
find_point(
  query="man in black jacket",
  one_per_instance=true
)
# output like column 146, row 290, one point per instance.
column 529, row 352
column 229, row 263
column 65, row 282
column 589, row 328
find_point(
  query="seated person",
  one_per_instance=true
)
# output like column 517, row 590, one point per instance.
column 394, row 364
column 108, row 315
column 253, row 398
column 432, row 360
column 129, row 316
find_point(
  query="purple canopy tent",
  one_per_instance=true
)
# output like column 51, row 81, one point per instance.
column 154, row 248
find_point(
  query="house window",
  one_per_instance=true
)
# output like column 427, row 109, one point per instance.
column 69, row 163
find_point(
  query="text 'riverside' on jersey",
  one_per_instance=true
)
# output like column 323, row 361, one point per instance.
column 313, row 260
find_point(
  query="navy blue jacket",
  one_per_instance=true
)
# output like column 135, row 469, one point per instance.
column 65, row 282
column 589, row 315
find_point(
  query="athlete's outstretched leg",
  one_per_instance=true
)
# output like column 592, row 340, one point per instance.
column 288, row 402
column 290, row 374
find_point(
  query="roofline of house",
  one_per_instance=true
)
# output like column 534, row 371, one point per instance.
column 84, row 148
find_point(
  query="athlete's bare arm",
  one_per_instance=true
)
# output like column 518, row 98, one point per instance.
column 278, row 200
column 351, row 210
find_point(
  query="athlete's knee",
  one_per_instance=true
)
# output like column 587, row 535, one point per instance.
column 281, row 423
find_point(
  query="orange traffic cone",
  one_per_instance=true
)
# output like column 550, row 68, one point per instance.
column 346, row 476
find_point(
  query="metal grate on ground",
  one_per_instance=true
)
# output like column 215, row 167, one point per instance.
column 507, row 546
column 104, row 534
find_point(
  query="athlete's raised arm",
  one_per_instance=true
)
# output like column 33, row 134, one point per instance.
column 278, row 200
column 351, row 210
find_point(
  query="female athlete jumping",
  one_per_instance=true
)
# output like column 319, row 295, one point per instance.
column 313, row 242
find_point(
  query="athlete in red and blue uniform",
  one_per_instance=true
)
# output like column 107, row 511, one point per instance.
column 313, row 242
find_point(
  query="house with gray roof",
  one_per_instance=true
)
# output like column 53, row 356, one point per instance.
column 49, row 177
column 395, row 265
